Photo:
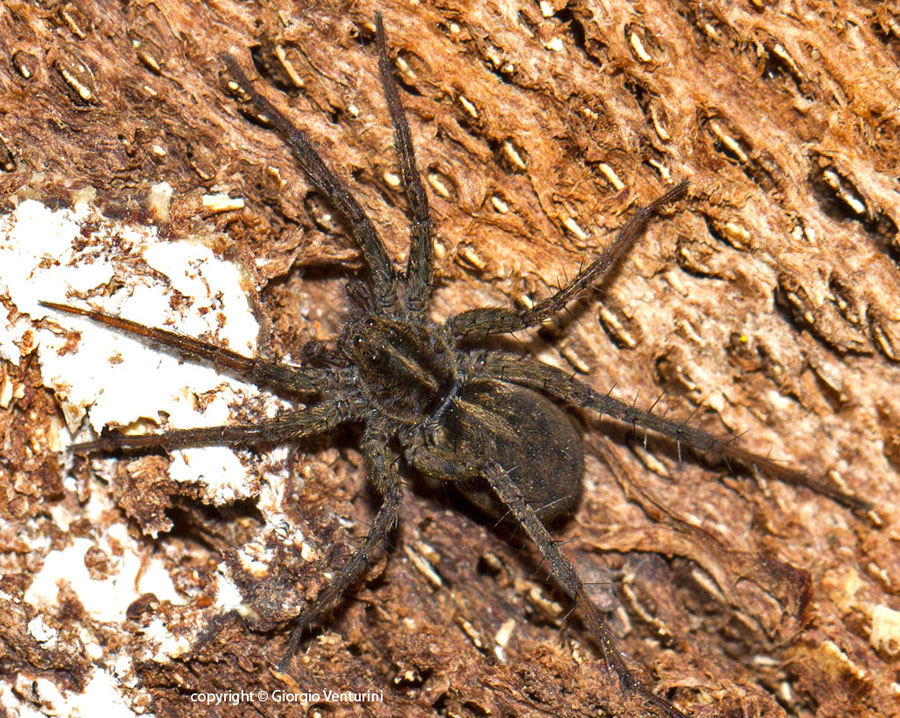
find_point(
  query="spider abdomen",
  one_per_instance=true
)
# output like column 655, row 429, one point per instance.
column 528, row 435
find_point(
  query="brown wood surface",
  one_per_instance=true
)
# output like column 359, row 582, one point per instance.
column 768, row 305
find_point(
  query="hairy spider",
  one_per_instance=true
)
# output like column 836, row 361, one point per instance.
column 487, row 421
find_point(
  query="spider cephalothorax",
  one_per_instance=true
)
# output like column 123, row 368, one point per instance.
column 390, row 353
column 487, row 421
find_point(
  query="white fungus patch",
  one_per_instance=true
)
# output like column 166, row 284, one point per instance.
column 41, row 697
column 108, row 378
column 228, row 595
column 104, row 600
column 169, row 645
column 41, row 632
column 102, row 691
column 102, row 377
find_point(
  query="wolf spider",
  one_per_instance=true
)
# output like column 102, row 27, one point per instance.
column 488, row 421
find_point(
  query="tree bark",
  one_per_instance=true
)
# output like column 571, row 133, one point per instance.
column 767, row 306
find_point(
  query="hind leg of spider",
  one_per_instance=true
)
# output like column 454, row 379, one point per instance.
column 381, row 269
column 316, row 419
column 479, row 323
column 567, row 578
column 420, row 265
column 381, row 470
column 534, row 374
column 262, row 372
column 460, row 465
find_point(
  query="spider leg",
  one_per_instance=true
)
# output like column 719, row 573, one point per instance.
column 553, row 381
column 315, row 419
column 291, row 379
column 381, row 269
column 420, row 265
column 567, row 577
column 382, row 471
column 479, row 323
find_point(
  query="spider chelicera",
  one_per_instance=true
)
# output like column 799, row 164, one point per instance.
column 486, row 420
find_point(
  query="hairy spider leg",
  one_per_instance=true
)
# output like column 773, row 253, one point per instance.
column 382, row 273
column 567, row 577
column 555, row 382
column 483, row 322
column 257, row 370
column 420, row 264
column 381, row 469
column 288, row 426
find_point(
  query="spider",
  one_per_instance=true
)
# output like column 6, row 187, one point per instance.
column 487, row 421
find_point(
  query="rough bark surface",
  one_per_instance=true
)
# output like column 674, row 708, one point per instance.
column 768, row 307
